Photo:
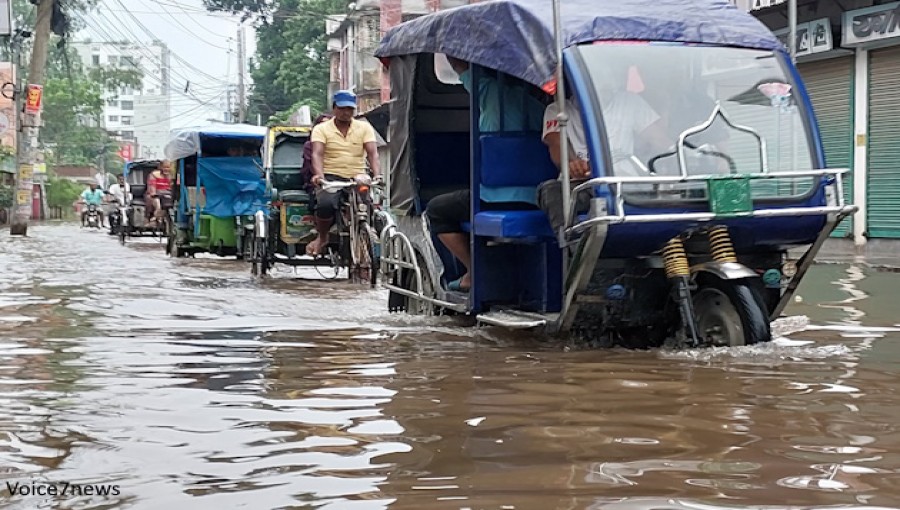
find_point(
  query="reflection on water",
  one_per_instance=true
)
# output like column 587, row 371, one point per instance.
column 190, row 385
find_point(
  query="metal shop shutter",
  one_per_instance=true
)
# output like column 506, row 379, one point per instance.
column 883, row 213
column 830, row 86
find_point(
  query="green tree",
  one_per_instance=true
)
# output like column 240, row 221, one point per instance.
column 73, row 110
column 290, row 68
column 62, row 192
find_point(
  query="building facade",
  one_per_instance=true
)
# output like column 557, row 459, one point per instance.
column 848, row 54
column 138, row 117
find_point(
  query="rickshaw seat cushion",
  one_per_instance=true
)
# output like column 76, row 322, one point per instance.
column 515, row 159
column 293, row 195
column 138, row 190
column 513, row 224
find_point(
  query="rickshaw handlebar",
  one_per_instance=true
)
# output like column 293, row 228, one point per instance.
column 339, row 185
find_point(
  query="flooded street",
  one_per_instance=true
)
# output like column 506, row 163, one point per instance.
column 188, row 384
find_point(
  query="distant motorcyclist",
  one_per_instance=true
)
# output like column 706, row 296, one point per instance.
column 89, row 197
column 120, row 191
column 119, row 194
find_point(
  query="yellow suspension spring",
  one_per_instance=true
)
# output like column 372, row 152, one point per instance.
column 720, row 245
column 675, row 259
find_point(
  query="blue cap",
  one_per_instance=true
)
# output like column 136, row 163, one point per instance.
column 344, row 99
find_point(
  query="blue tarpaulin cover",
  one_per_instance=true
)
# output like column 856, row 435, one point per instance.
column 516, row 36
column 234, row 186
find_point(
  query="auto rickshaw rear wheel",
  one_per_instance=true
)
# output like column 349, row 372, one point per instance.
column 729, row 312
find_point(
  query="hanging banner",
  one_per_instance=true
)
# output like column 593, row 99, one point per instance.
column 126, row 152
column 33, row 95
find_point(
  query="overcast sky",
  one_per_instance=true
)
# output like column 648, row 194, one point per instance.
column 203, row 47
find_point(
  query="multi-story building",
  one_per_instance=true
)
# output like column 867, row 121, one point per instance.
column 138, row 117
column 354, row 36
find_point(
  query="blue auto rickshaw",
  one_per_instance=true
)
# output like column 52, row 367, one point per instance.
column 219, row 185
column 682, row 238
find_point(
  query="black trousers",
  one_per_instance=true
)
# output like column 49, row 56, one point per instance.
column 328, row 203
column 446, row 213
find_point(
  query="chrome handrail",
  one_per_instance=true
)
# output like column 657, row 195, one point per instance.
column 619, row 216
column 719, row 112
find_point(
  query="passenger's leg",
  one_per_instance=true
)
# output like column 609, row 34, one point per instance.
column 148, row 208
column 446, row 213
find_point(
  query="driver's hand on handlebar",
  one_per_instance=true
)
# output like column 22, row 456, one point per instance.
column 579, row 169
column 317, row 180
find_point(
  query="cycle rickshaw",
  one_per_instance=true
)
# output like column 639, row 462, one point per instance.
column 218, row 187
column 285, row 226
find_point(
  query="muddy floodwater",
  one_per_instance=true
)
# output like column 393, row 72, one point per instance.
column 131, row 380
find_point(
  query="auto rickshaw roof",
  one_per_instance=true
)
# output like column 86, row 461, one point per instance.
column 516, row 36
column 187, row 142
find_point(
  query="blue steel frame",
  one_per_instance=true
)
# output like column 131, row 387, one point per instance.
column 644, row 239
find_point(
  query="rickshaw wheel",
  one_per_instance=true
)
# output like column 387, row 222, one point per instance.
column 365, row 263
column 730, row 313
column 260, row 265
column 414, row 306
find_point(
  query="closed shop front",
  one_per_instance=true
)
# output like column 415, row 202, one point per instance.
column 830, row 87
column 883, row 202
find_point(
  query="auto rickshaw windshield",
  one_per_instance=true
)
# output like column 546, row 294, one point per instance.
column 650, row 94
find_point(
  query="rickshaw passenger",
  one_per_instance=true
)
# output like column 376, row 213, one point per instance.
column 120, row 191
column 340, row 148
column 627, row 118
column 306, row 171
column 158, row 181
column 446, row 213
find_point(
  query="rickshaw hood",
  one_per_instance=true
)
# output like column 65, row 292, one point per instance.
column 188, row 141
column 516, row 36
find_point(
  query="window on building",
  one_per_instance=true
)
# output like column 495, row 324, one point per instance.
column 127, row 105
column 127, row 120
column 95, row 60
column 127, row 135
column 126, row 90
column 114, row 118
column 112, row 102
column 127, row 61
column 112, row 60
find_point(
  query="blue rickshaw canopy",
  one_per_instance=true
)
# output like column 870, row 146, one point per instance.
column 516, row 36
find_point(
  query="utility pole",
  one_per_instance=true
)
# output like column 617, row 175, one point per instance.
column 242, row 108
column 31, row 123
column 792, row 30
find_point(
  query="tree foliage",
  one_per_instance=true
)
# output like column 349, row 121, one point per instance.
column 291, row 66
column 62, row 192
column 73, row 109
